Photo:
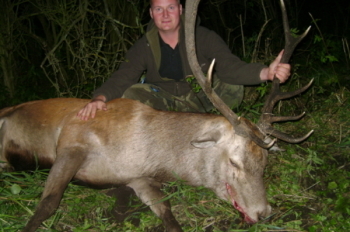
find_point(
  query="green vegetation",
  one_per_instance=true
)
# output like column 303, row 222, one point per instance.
column 307, row 184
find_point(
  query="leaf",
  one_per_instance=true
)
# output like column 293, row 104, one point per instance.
column 317, row 39
column 332, row 185
column 16, row 189
column 332, row 58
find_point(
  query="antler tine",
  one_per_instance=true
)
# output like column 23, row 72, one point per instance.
column 191, row 12
column 290, row 41
column 267, row 118
column 286, row 137
column 277, row 95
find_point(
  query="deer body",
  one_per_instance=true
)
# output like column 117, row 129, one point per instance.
column 135, row 145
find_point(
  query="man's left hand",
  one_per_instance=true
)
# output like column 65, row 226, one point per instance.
column 282, row 71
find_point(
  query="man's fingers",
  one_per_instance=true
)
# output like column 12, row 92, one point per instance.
column 90, row 109
column 86, row 113
column 93, row 112
column 279, row 57
column 283, row 72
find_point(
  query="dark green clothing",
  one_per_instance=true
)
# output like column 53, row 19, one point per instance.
column 145, row 55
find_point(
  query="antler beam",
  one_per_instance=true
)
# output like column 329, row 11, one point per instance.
column 267, row 118
column 205, row 83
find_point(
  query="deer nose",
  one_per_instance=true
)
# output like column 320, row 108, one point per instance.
column 265, row 213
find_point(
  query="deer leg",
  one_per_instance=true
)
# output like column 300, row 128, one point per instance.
column 148, row 190
column 124, row 197
column 63, row 170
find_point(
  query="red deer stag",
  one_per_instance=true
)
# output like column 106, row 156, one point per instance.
column 134, row 145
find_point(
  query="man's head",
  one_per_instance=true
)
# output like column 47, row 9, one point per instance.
column 166, row 14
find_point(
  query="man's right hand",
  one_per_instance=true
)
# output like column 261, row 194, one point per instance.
column 90, row 109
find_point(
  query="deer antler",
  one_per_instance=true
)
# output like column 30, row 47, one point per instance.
column 242, row 129
column 191, row 12
column 267, row 118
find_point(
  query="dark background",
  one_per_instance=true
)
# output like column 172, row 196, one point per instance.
column 67, row 48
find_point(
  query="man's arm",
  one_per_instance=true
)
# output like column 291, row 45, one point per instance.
column 231, row 69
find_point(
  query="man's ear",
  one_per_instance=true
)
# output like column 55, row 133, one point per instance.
column 150, row 12
column 180, row 9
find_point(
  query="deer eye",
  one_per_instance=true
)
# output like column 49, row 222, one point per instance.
column 233, row 164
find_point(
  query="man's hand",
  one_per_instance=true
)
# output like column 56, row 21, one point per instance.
column 282, row 71
column 90, row 109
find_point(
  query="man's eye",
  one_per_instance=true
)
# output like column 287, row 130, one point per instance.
column 158, row 9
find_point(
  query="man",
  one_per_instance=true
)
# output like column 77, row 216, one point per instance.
column 161, row 52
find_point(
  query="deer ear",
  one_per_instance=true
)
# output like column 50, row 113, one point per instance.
column 207, row 140
column 203, row 144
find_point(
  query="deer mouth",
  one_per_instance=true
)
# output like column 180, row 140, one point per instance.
column 246, row 217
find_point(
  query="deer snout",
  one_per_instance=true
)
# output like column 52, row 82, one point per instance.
column 265, row 212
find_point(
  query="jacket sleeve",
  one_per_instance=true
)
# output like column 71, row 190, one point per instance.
column 128, row 73
column 228, row 67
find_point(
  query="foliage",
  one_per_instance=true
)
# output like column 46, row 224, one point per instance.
column 65, row 47
column 194, row 84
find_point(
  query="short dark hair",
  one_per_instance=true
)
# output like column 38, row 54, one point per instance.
column 150, row 2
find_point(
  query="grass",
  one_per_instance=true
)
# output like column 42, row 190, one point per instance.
column 307, row 184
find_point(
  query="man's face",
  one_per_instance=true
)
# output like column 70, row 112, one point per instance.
column 166, row 14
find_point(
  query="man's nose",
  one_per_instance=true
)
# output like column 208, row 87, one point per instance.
column 165, row 13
